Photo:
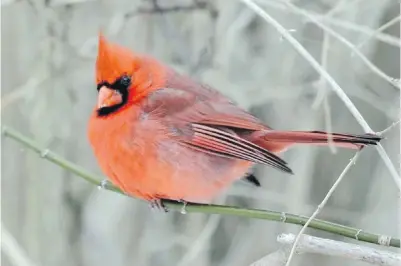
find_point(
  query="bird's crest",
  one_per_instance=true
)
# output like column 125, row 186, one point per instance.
column 113, row 61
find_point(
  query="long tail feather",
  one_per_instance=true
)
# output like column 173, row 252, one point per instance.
column 278, row 140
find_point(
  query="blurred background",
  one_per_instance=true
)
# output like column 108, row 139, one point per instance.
column 48, row 91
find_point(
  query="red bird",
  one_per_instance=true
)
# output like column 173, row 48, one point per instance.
column 160, row 135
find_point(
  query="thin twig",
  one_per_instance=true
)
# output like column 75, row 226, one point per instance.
column 321, row 205
column 341, row 5
column 322, row 92
column 383, row 37
column 311, row 244
column 381, row 133
column 15, row 253
column 337, row 89
column 352, row 47
column 321, row 95
column 289, row 218
column 380, row 29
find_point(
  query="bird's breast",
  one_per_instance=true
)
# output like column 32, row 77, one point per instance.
column 146, row 161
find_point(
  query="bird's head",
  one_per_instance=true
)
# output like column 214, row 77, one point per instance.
column 121, row 76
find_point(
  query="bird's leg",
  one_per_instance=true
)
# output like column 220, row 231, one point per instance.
column 104, row 183
column 183, row 210
column 158, row 204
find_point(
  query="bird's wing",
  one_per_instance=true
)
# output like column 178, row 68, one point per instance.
column 209, row 126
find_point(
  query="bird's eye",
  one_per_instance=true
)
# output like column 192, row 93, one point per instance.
column 122, row 83
column 125, row 81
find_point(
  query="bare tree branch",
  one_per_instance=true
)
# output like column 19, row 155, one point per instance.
column 385, row 38
column 311, row 244
column 352, row 47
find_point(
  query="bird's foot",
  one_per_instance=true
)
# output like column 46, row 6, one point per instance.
column 183, row 210
column 158, row 204
column 104, row 184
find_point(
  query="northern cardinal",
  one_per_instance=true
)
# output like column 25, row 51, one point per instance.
column 159, row 135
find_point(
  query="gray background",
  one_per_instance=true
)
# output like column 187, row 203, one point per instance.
column 48, row 92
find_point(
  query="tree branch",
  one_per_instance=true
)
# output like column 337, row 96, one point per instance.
column 393, row 81
column 330, row 247
column 378, row 30
column 339, row 23
column 289, row 218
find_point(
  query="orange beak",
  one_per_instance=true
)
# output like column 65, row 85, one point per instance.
column 108, row 97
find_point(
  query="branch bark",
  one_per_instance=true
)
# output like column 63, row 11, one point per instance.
column 311, row 244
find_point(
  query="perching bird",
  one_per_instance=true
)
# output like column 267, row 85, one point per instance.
column 158, row 134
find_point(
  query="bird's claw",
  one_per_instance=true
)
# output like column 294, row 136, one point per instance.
column 183, row 210
column 104, row 183
column 158, row 204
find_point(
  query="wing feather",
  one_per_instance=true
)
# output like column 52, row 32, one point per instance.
column 210, row 126
column 222, row 141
